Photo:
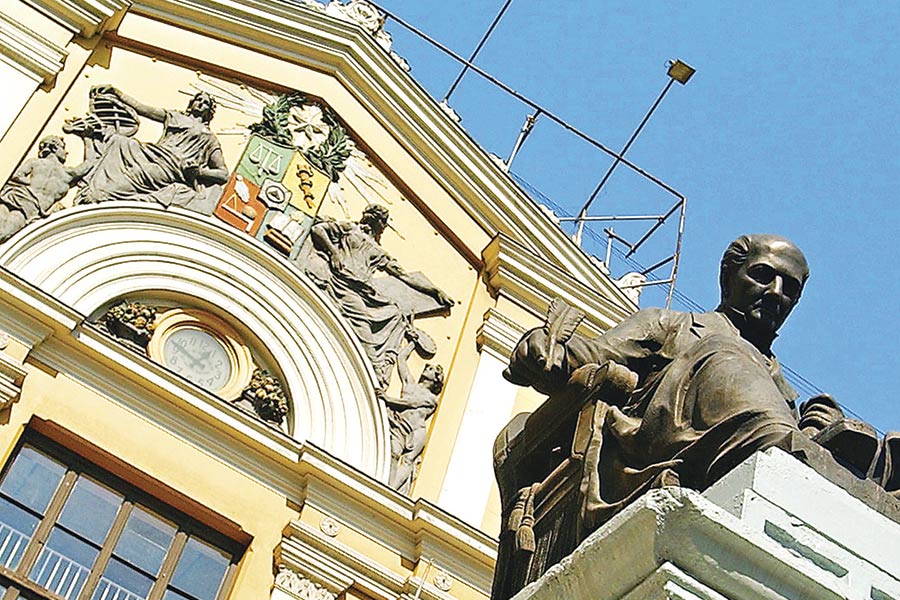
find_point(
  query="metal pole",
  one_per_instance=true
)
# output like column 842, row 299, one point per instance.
column 477, row 50
column 530, row 103
column 527, row 126
column 677, row 252
column 583, row 212
column 609, row 242
column 653, row 229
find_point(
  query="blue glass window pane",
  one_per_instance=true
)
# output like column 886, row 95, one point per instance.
column 63, row 564
column 201, row 569
column 145, row 540
column 173, row 595
column 16, row 529
column 121, row 582
column 90, row 510
column 33, row 479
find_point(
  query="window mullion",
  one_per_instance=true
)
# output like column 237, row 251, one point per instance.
column 227, row 582
column 106, row 550
column 168, row 566
column 50, row 516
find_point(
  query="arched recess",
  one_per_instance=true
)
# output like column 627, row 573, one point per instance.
column 89, row 255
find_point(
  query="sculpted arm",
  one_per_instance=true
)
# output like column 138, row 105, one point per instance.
column 632, row 343
column 151, row 112
column 392, row 267
column 215, row 171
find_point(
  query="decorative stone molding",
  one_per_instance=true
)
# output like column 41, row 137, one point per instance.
column 421, row 533
column 498, row 333
column 121, row 249
column 11, row 377
column 84, row 17
column 37, row 56
column 366, row 16
column 300, row 586
column 442, row 581
column 632, row 284
column 329, row 527
column 515, row 272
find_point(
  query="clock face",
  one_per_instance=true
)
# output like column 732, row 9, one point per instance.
column 198, row 356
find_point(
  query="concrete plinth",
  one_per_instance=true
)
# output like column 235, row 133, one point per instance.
column 773, row 528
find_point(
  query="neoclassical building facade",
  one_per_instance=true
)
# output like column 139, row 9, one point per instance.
column 257, row 290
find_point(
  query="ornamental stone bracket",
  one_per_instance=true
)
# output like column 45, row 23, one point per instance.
column 12, row 374
column 498, row 334
column 519, row 274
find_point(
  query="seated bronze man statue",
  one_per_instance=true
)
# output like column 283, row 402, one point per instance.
column 707, row 390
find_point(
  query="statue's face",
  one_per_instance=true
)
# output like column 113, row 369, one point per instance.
column 53, row 148
column 200, row 106
column 767, row 286
column 430, row 377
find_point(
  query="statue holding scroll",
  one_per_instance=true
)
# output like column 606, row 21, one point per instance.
column 708, row 390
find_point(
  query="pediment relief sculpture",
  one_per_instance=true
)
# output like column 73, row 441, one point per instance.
column 297, row 156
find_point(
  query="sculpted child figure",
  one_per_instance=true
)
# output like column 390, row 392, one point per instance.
column 36, row 186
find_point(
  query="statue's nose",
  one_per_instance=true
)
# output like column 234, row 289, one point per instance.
column 776, row 286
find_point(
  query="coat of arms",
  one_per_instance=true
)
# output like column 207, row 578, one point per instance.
column 276, row 190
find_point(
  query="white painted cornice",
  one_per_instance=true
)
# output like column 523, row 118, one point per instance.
column 83, row 17
column 337, row 568
column 416, row 531
column 37, row 56
column 498, row 333
column 308, row 37
column 514, row 272
column 12, row 374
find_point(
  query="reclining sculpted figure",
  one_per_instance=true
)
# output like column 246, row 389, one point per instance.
column 708, row 390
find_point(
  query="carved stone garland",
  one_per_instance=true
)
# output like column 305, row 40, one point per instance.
column 300, row 586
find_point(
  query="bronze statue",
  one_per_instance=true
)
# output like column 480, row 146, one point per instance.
column 666, row 398
column 709, row 391
column 184, row 168
column 408, row 415
column 36, row 186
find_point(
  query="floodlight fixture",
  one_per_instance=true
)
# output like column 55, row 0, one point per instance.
column 680, row 71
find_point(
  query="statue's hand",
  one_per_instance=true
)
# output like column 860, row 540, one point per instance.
column 819, row 412
column 443, row 299
column 191, row 172
column 528, row 364
column 105, row 88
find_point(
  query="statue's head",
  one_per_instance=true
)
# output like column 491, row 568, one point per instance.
column 433, row 378
column 53, row 145
column 761, row 278
column 202, row 106
column 375, row 217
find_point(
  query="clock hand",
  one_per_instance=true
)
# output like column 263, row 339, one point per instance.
column 187, row 353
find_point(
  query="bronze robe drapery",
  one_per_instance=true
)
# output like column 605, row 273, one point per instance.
column 706, row 399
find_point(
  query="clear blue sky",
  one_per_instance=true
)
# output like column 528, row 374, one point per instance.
column 790, row 126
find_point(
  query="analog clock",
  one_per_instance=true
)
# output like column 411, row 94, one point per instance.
column 203, row 349
column 198, row 356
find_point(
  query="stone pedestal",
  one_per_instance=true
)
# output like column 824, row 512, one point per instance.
column 773, row 528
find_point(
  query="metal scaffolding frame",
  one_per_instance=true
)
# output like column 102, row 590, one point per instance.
column 539, row 111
